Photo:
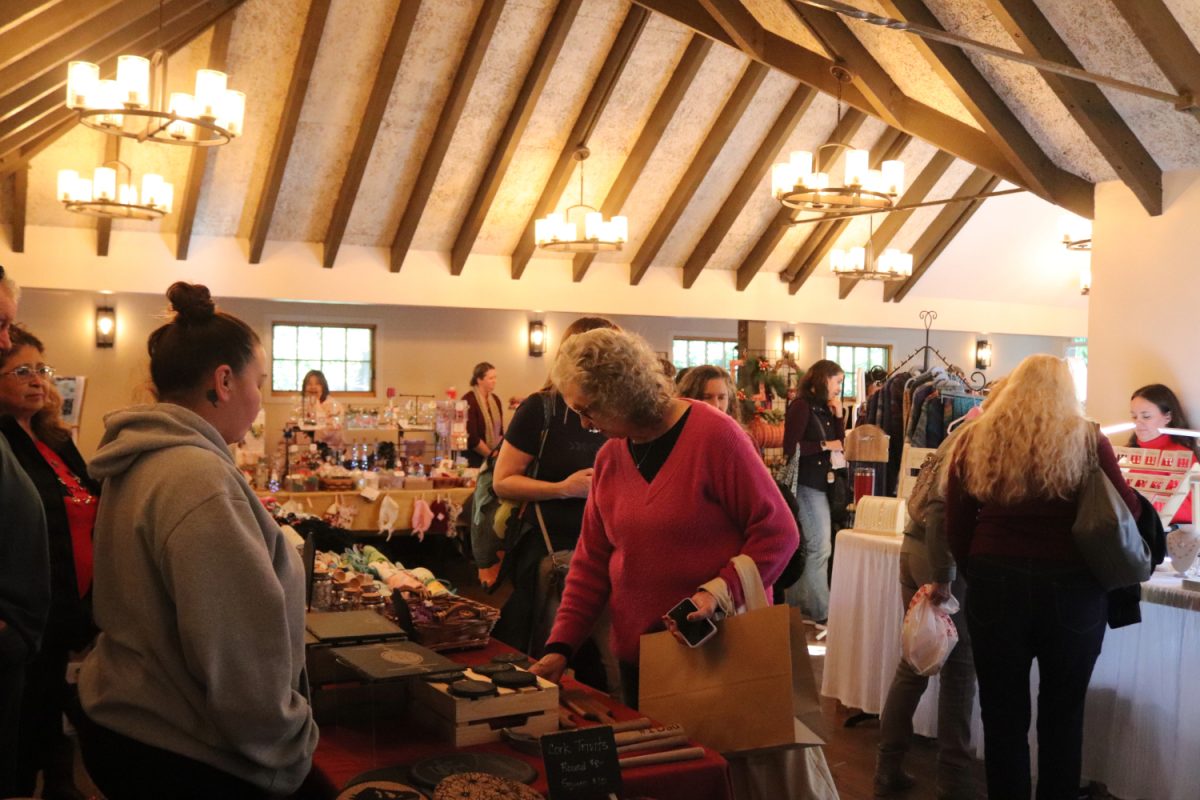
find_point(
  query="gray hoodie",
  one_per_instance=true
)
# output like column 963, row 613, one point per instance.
column 200, row 603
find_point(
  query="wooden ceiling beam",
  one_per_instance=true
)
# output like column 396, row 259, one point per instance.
column 916, row 192
column 20, row 180
column 1167, row 43
column 372, row 117
column 439, row 145
column 739, row 24
column 732, row 112
column 285, row 132
column 664, row 110
column 187, row 21
column 923, row 122
column 945, row 226
column 1035, row 36
column 795, row 108
column 963, row 78
column 112, row 152
column 589, row 113
column 17, row 12
column 851, row 121
column 47, row 24
column 518, row 120
column 889, row 145
column 200, row 161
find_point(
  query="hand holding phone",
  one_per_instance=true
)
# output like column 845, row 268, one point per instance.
column 691, row 632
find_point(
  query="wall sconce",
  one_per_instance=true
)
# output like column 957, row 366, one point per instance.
column 1085, row 279
column 106, row 326
column 983, row 354
column 537, row 338
column 790, row 346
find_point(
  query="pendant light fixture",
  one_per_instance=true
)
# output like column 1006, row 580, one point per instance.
column 560, row 231
column 862, row 264
column 105, row 195
column 135, row 104
column 1076, row 232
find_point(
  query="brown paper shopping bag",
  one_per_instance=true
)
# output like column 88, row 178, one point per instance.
column 749, row 688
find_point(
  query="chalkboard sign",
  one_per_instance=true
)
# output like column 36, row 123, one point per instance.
column 582, row 764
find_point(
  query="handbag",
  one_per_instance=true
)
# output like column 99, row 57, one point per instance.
column 551, row 580
column 1107, row 534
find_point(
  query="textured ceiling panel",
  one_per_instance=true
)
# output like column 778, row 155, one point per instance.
column 352, row 45
column 778, row 17
column 904, row 63
column 813, row 129
column 574, row 72
column 726, row 170
column 262, row 51
column 796, row 234
column 948, row 186
column 81, row 149
column 714, row 82
column 499, row 80
column 435, row 50
column 1104, row 43
column 1024, row 91
column 1187, row 13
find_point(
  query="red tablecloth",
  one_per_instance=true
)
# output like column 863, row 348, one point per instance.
column 351, row 748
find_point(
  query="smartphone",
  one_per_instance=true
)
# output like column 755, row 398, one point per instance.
column 692, row 633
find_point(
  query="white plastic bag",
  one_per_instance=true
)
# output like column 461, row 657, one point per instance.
column 929, row 634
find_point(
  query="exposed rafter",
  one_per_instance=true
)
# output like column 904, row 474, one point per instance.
column 702, row 161
column 55, row 20
column 752, row 177
column 918, row 119
column 589, row 115
column 945, row 226
column 648, row 139
column 967, row 83
column 889, row 145
column 198, row 164
column 20, row 181
column 1166, row 42
column 510, row 137
column 739, row 24
column 439, row 144
column 306, row 56
column 1035, row 36
column 372, row 117
column 851, row 121
column 112, row 151
column 917, row 191
column 16, row 11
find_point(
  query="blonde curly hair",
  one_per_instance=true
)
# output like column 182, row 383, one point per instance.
column 1033, row 442
column 618, row 372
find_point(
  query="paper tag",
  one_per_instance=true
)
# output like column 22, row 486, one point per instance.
column 369, row 493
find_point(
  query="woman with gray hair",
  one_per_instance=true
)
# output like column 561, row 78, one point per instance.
column 677, row 492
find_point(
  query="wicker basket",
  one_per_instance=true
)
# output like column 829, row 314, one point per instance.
column 337, row 484
column 452, row 623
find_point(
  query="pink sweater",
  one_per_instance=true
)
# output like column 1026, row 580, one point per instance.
column 643, row 547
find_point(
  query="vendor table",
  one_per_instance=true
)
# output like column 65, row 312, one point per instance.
column 1142, row 701
column 355, row 746
column 367, row 517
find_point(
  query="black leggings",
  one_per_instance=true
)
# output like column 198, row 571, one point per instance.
column 126, row 768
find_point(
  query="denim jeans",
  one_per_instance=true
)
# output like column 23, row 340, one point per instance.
column 1019, row 610
column 955, row 699
column 811, row 593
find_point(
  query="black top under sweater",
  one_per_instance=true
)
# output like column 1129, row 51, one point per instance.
column 650, row 456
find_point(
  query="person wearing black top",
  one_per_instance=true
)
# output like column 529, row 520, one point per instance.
column 558, row 483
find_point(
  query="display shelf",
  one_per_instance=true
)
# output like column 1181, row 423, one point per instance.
column 1161, row 476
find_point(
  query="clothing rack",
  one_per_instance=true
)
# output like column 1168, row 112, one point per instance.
column 927, row 317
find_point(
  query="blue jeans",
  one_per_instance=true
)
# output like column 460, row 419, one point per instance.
column 811, row 593
column 1019, row 610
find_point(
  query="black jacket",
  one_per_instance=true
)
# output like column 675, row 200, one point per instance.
column 805, row 427
column 1124, row 604
column 70, row 620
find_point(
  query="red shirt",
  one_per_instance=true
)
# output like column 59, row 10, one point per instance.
column 1164, row 442
column 80, row 505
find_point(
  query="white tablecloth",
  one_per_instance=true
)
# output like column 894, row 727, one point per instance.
column 1142, row 720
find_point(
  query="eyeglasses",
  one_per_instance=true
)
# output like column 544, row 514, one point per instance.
column 27, row 371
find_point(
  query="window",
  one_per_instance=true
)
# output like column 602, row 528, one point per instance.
column 696, row 352
column 851, row 357
column 344, row 353
column 1077, row 362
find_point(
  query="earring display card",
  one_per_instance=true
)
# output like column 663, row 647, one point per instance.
column 391, row 660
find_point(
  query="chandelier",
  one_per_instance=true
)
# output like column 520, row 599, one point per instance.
column 560, row 231
column 861, row 263
column 1076, row 232
column 796, row 185
column 102, row 195
column 136, row 106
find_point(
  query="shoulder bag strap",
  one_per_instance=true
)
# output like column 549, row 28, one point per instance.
column 548, row 415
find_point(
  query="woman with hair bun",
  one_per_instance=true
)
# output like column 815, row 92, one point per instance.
column 1154, row 407
column 196, row 686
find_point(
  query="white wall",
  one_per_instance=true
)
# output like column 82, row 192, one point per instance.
column 419, row 349
column 1142, row 322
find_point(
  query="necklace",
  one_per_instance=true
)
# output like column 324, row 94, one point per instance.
column 637, row 462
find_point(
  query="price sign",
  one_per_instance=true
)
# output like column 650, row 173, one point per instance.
column 582, row 764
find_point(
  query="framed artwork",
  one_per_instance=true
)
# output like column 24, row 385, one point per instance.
column 71, row 388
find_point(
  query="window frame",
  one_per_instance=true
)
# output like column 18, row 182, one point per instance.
column 370, row 326
column 849, row 383
column 701, row 338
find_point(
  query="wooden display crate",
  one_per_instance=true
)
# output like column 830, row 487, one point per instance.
column 461, row 721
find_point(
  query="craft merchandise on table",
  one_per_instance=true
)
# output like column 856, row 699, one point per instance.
column 384, row 512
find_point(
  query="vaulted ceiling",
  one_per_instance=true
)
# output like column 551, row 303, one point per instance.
column 449, row 125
